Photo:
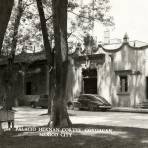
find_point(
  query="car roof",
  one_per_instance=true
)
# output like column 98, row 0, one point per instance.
column 92, row 95
column 89, row 96
column 96, row 96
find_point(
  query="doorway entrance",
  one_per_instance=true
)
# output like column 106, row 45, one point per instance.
column 89, row 81
column 28, row 88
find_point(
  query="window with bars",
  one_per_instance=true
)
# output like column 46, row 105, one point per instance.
column 124, row 84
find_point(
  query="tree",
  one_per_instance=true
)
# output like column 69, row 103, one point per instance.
column 5, row 12
column 87, row 15
column 49, row 56
column 14, row 33
column 58, row 68
column 59, row 115
column 9, row 75
column 90, row 44
column 94, row 11
column 47, row 36
column 28, row 34
column 19, row 13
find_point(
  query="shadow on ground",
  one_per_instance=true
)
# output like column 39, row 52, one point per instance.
column 88, row 136
column 70, row 114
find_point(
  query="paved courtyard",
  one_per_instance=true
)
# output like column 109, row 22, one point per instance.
column 27, row 116
column 128, row 130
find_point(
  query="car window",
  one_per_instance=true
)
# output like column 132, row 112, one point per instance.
column 96, row 99
column 89, row 98
column 101, row 98
column 83, row 97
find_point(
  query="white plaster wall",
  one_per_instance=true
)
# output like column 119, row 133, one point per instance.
column 108, row 81
column 104, row 79
column 78, row 79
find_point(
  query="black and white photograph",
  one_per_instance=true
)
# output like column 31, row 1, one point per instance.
column 73, row 74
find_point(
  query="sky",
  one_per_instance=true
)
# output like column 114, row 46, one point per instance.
column 131, row 17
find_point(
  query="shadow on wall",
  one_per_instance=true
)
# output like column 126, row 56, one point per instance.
column 125, row 59
column 71, row 80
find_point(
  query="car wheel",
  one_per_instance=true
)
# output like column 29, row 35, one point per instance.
column 91, row 107
column 44, row 107
column 33, row 104
column 104, row 110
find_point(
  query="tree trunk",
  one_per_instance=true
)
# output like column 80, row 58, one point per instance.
column 44, row 32
column 59, row 114
column 19, row 13
column 10, row 72
column 5, row 12
column 48, row 50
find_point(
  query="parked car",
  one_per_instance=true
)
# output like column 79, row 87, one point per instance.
column 41, row 102
column 91, row 102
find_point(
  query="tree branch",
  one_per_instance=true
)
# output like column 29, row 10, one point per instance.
column 49, row 18
column 89, row 18
column 69, row 34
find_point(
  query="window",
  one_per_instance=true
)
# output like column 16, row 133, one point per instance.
column 28, row 88
column 123, row 84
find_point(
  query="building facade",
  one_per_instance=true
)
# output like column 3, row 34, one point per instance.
column 121, row 78
column 31, row 77
column 119, row 73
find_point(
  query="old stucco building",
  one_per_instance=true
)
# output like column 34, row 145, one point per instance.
column 118, row 73
column 31, row 77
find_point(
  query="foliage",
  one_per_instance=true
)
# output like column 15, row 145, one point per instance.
column 94, row 11
column 89, row 40
column 83, row 18
column 29, row 33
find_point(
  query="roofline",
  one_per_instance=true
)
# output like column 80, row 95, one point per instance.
column 124, row 43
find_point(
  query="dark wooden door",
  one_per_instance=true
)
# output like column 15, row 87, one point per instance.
column 90, row 85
